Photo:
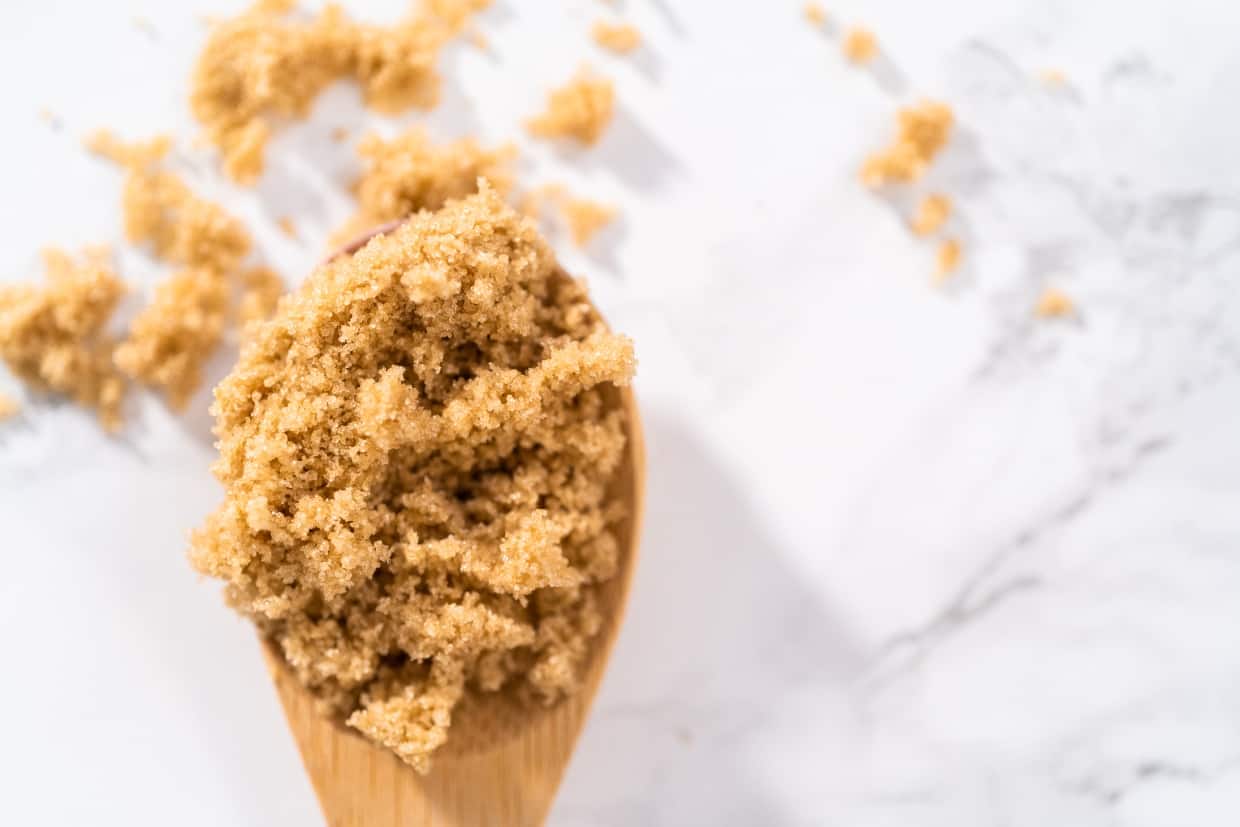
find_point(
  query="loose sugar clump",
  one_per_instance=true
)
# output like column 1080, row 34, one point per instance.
column 579, row 110
column 923, row 132
column 52, row 336
column 263, row 65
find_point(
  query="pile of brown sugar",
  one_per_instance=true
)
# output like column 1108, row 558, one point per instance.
column 264, row 64
column 52, row 337
column 579, row 110
column 416, row 452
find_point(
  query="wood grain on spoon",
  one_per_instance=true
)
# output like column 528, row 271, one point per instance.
column 503, row 761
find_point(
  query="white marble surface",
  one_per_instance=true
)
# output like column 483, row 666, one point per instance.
column 912, row 558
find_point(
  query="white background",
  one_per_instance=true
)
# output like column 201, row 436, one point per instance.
column 912, row 558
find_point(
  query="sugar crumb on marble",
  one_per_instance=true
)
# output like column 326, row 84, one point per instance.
column 579, row 110
column 860, row 45
column 933, row 211
column 1054, row 303
column 620, row 38
column 922, row 131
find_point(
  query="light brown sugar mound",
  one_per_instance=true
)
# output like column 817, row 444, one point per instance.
column 52, row 336
column 416, row 452
column 266, row 64
column 923, row 131
column 620, row 38
column 172, row 337
column 580, row 110
column 411, row 173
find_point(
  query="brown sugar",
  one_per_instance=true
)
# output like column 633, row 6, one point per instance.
column 932, row 214
column 416, row 452
column 172, row 337
column 948, row 259
column 1053, row 77
column 9, row 407
column 160, row 209
column 1054, row 304
column 52, row 337
column 262, row 65
column 620, row 38
column 583, row 218
column 815, row 14
column 261, row 288
column 287, row 226
column 860, row 45
column 410, row 173
column 923, row 132
column 580, row 110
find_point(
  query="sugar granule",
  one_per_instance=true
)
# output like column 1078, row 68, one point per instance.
column 947, row 259
column 923, row 131
column 172, row 337
column 52, row 336
column 815, row 14
column 580, row 110
column 860, row 45
column 261, row 65
column 620, row 38
column 9, row 407
column 416, row 452
column 1054, row 304
column 932, row 214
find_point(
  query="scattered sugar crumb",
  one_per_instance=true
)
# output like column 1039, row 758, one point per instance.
column 1054, row 304
column 583, row 218
column 261, row 288
column 287, row 226
column 923, row 130
column 860, row 45
column 815, row 14
column 450, row 388
column 948, row 259
column 171, row 338
column 580, row 110
column 340, row 134
column 9, row 407
column 160, row 209
column 262, row 64
column 1053, row 77
column 52, row 336
column 620, row 38
column 410, row 173
column 932, row 214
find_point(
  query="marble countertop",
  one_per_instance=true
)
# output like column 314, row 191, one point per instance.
column 913, row 557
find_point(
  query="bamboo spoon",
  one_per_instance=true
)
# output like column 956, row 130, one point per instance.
column 502, row 763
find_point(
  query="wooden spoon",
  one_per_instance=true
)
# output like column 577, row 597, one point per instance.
column 503, row 762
